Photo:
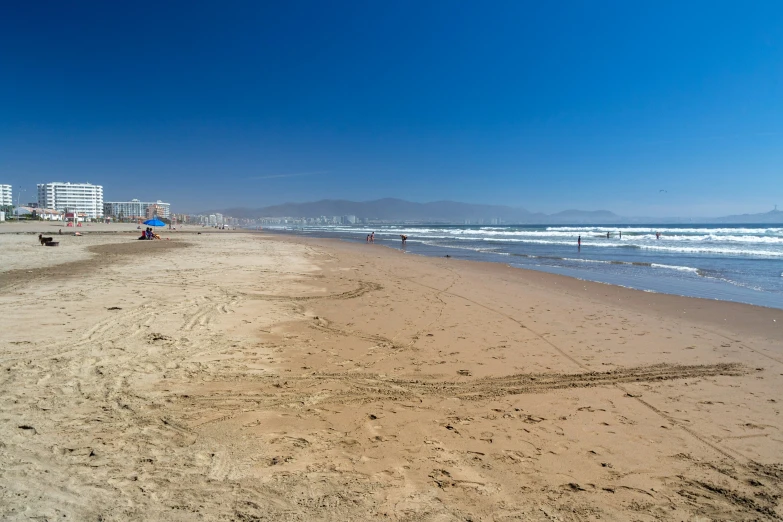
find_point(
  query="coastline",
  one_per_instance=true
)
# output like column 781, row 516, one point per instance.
column 742, row 317
column 710, row 263
column 247, row 375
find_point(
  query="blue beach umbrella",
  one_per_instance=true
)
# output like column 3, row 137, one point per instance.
column 155, row 223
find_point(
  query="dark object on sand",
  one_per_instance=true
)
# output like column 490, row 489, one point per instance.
column 447, row 255
column 52, row 243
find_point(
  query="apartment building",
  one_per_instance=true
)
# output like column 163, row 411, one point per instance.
column 74, row 197
column 6, row 196
column 135, row 209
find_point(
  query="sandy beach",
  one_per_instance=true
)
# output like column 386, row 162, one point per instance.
column 245, row 376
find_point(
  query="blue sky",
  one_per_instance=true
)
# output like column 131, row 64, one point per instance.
column 543, row 105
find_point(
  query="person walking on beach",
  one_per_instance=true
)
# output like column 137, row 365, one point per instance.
column 368, row 238
column 372, row 237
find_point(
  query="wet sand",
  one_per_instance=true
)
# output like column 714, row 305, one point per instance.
column 248, row 377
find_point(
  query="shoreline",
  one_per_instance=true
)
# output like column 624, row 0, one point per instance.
column 711, row 276
column 129, row 228
column 749, row 318
column 122, row 228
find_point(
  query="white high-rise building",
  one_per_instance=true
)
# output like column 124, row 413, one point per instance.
column 74, row 197
column 135, row 209
column 6, row 197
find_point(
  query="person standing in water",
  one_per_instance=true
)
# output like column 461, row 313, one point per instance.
column 579, row 243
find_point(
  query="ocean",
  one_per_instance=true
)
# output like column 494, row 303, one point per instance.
column 742, row 263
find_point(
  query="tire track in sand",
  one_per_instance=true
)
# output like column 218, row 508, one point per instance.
column 364, row 288
column 717, row 448
column 364, row 388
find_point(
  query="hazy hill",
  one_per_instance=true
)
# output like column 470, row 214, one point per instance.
column 436, row 211
column 771, row 217
column 455, row 212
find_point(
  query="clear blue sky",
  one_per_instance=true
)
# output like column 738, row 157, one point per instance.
column 543, row 105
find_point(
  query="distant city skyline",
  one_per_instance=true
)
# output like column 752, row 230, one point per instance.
column 208, row 207
column 660, row 110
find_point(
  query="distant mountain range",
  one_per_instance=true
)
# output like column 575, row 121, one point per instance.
column 767, row 218
column 390, row 209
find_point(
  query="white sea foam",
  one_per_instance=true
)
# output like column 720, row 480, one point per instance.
column 580, row 260
column 462, row 247
column 737, row 248
column 675, row 267
column 728, row 234
column 717, row 238
column 736, row 283
column 562, row 237
column 735, row 245
column 689, row 269
column 672, row 230
column 728, row 249
column 756, row 242
column 714, row 250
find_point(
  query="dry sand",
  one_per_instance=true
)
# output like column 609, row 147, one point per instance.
column 249, row 377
